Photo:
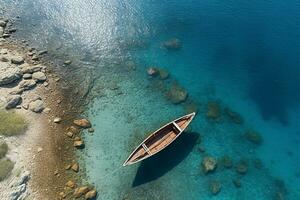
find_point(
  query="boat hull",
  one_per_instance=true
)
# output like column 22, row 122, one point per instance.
column 159, row 139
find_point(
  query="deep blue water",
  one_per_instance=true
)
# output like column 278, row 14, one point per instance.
column 242, row 55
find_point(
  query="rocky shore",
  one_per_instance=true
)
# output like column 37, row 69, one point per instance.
column 41, row 155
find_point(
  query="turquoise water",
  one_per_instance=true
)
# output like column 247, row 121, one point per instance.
column 242, row 55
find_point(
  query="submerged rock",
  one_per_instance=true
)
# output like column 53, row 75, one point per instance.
column 209, row 164
column 177, row 94
column 152, row 71
column 83, row 123
column 172, row 44
column 215, row 187
column 233, row 116
column 226, row 161
column 8, row 73
column 213, row 111
column 253, row 137
column 237, row 183
column 13, row 101
column 67, row 62
column 241, row 167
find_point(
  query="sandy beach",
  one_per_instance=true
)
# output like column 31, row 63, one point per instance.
column 44, row 163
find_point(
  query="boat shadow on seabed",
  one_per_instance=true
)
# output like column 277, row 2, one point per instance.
column 159, row 164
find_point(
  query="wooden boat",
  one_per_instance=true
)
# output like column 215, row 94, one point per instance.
column 159, row 139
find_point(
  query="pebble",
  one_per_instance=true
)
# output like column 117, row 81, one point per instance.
column 57, row 120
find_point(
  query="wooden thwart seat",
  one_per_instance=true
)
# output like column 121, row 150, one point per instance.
column 146, row 149
column 176, row 126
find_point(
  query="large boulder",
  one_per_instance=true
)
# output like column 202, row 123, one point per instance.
column 209, row 164
column 26, row 68
column 177, row 94
column 27, row 84
column 36, row 106
column 39, row 76
column 17, row 60
column 8, row 73
column 13, row 101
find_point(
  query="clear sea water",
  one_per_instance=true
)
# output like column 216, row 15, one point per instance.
column 244, row 55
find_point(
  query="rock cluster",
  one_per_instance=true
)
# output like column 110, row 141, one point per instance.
column 19, row 188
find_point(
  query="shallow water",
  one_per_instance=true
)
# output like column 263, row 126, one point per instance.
column 242, row 55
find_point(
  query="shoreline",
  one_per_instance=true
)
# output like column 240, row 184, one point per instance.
column 44, row 150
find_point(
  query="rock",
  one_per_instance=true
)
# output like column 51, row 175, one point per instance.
column 67, row 62
column 233, row 116
column 42, row 52
column 253, row 137
column 16, row 91
column 226, row 161
column 83, row 123
column 91, row 194
column 62, row 195
column 2, row 23
column 172, row 44
column 75, row 167
column 209, row 164
column 78, row 144
column 35, row 58
column 4, row 59
column 47, row 110
column 67, row 167
column 40, row 149
column 3, row 51
column 69, row 134
column 152, row 71
column 27, row 84
column 237, row 183
column 13, row 101
column 73, row 129
column 17, row 60
column 27, row 76
column 31, row 68
column 215, row 187
column 80, row 191
column 177, row 94
column 91, row 130
column 36, row 106
column 8, row 73
column 24, row 178
column 70, row 184
column 1, row 31
column 57, row 120
column 163, row 74
column 18, row 192
column 241, row 167
column 39, row 76
column 213, row 111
